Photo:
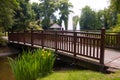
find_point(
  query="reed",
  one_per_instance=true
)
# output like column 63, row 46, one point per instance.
column 31, row 65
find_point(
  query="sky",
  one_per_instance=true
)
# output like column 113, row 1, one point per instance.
column 79, row 4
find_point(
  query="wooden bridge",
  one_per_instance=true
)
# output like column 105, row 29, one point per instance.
column 79, row 46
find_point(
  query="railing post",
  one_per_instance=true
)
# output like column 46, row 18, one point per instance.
column 102, row 46
column 31, row 36
column 42, row 41
column 24, row 36
column 55, row 41
column 75, row 40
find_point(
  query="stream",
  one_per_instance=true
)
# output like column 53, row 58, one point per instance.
column 5, row 70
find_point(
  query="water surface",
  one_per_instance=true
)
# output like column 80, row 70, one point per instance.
column 5, row 70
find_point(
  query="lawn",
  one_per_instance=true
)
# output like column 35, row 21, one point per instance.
column 81, row 75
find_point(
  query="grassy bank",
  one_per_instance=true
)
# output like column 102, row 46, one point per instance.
column 64, row 74
column 81, row 75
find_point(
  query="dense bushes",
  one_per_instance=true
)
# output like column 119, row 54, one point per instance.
column 115, row 29
column 2, row 41
column 31, row 65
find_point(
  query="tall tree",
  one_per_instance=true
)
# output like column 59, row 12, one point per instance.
column 48, row 7
column 115, row 11
column 114, row 8
column 37, row 10
column 64, row 8
column 115, row 5
column 23, row 15
column 7, row 8
column 88, row 19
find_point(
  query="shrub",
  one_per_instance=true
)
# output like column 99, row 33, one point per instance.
column 3, row 42
column 31, row 65
column 115, row 28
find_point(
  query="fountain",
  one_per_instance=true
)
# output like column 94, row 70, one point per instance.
column 78, row 26
column 70, row 22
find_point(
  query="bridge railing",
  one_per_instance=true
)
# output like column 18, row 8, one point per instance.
column 112, row 40
column 83, row 44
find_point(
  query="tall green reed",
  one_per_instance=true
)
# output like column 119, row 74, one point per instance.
column 31, row 65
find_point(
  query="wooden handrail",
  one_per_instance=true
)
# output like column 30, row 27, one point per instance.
column 77, row 43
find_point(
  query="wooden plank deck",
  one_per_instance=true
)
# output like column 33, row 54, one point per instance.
column 112, row 58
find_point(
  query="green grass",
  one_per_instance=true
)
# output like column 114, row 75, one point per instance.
column 81, row 75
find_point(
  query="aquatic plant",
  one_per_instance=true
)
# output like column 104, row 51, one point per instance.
column 31, row 65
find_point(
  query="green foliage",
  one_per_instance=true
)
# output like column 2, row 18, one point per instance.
column 7, row 8
column 3, row 42
column 93, row 20
column 47, row 8
column 23, row 15
column 30, row 66
column 37, row 10
column 115, row 5
column 118, row 19
column 45, row 12
column 35, row 25
column 117, row 27
column 0, row 31
column 105, row 18
column 114, row 10
column 88, row 19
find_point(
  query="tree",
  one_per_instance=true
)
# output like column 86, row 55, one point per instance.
column 44, row 11
column 37, row 10
column 115, row 5
column 7, row 8
column 75, row 21
column 64, row 8
column 48, row 7
column 104, row 18
column 23, row 15
column 88, row 19
column 114, row 8
column 118, row 19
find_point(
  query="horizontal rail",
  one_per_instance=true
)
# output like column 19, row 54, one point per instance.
column 76, row 43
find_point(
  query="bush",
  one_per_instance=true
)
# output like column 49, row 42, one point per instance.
column 3, row 42
column 115, row 29
column 31, row 65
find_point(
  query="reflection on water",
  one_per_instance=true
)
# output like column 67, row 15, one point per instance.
column 5, row 70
